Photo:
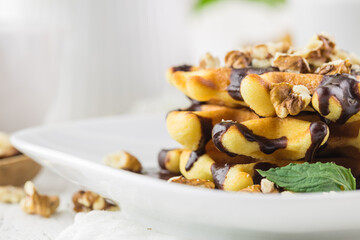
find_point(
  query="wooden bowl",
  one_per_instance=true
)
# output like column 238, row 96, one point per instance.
column 17, row 170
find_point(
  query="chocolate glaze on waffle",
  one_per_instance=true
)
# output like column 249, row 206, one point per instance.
column 318, row 131
column 237, row 76
column 344, row 88
column 183, row 68
column 162, row 157
column 266, row 145
column 219, row 172
column 206, row 126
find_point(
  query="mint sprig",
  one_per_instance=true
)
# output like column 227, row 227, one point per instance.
column 316, row 177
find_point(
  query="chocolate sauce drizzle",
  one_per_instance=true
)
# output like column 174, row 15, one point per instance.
column 160, row 174
column 237, row 76
column 318, row 131
column 183, row 68
column 195, row 105
column 261, row 166
column 219, row 172
column 206, row 126
column 266, row 145
column 194, row 156
column 162, row 157
column 344, row 88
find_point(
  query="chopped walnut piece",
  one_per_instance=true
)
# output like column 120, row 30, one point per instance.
column 289, row 99
column 6, row 149
column 34, row 203
column 252, row 189
column 267, row 186
column 261, row 51
column 85, row 201
column 123, row 160
column 193, row 182
column 291, row 63
column 331, row 68
column 10, row 194
column 208, row 61
column 261, row 63
column 238, row 59
column 340, row 54
column 318, row 50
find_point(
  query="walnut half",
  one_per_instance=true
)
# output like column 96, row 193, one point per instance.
column 193, row 182
column 291, row 63
column 238, row 59
column 34, row 203
column 338, row 66
column 85, row 201
column 288, row 99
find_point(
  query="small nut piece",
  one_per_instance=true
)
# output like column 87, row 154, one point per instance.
column 123, row 160
column 289, row 99
column 6, row 149
column 291, row 63
column 85, row 201
column 267, row 186
column 34, row 203
column 318, row 50
column 208, row 61
column 10, row 194
column 338, row 66
column 252, row 189
column 238, row 59
column 193, row 182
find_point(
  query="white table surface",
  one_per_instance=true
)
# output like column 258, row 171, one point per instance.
column 15, row 224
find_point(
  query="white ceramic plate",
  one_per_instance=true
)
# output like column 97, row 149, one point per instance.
column 75, row 151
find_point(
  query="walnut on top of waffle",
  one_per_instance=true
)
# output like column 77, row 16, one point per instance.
column 320, row 56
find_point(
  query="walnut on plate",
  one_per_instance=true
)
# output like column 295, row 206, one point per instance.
column 11, row 194
column 289, row 99
column 123, row 160
column 85, row 201
column 34, row 203
column 193, row 182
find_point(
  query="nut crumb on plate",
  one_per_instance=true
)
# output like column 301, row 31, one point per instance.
column 193, row 182
column 123, row 160
column 34, row 203
column 85, row 201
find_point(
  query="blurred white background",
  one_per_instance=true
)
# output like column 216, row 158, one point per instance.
column 70, row 59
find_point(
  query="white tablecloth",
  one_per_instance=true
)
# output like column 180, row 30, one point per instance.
column 15, row 224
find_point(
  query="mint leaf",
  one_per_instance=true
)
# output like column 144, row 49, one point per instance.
column 316, row 177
